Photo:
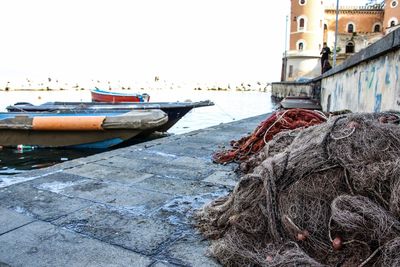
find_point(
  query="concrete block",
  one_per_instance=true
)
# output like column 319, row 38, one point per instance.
column 132, row 230
column 10, row 220
column 42, row 244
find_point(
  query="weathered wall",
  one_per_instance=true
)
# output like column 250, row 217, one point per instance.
column 284, row 89
column 303, row 67
column 369, row 81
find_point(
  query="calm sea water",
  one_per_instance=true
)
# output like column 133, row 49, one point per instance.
column 229, row 106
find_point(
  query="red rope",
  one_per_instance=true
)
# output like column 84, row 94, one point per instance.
column 279, row 121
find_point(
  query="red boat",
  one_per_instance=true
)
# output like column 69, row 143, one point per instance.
column 114, row 97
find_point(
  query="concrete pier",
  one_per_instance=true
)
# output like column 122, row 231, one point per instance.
column 127, row 207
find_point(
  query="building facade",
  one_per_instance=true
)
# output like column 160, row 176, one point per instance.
column 312, row 23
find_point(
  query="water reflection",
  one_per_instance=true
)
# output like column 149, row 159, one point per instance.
column 13, row 160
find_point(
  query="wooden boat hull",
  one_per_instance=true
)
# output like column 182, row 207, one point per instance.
column 84, row 130
column 113, row 97
column 174, row 110
column 77, row 139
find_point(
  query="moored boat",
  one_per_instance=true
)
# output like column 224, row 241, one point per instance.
column 174, row 110
column 291, row 102
column 116, row 97
column 74, row 129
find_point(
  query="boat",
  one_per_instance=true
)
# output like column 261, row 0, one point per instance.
column 76, row 129
column 303, row 102
column 116, row 97
column 174, row 110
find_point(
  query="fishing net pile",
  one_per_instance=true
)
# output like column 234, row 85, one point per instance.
column 279, row 121
column 326, row 195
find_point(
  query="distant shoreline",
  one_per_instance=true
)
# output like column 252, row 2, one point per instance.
column 242, row 87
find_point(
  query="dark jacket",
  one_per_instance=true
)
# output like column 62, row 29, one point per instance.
column 325, row 52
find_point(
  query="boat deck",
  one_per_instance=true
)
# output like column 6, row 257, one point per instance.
column 127, row 207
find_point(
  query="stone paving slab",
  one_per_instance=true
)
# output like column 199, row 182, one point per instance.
column 115, row 194
column 177, row 186
column 42, row 244
column 109, row 173
column 10, row 220
column 132, row 230
column 223, row 178
column 132, row 206
column 39, row 204
column 190, row 251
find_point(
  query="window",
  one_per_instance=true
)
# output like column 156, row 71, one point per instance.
column 393, row 4
column 350, row 28
column 377, row 28
column 290, row 71
column 325, row 27
column 350, row 47
column 301, row 45
column 392, row 22
column 301, row 23
column 302, row 2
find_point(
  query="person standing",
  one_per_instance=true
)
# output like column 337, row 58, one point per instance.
column 324, row 55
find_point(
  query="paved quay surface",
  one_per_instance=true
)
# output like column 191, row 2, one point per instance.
column 128, row 207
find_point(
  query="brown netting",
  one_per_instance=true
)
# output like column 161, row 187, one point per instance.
column 279, row 121
column 326, row 195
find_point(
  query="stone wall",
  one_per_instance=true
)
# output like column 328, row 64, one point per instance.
column 284, row 89
column 369, row 81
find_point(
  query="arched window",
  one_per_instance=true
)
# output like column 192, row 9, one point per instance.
column 301, row 45
column 350, row 47
column 377, row 28
column 325, row 27
column 350, row 28
column 301, row 23
column 393, row 22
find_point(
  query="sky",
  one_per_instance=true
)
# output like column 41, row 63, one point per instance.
column 177, row 40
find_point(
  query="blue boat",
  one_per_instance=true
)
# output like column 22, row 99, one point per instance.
column 76, row 129
column 174, row 110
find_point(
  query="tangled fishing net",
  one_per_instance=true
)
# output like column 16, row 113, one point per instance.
column 279, row 121
column 328, row 195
